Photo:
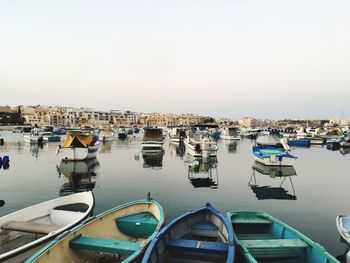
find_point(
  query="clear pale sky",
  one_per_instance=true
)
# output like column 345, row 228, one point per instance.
column 261, row 58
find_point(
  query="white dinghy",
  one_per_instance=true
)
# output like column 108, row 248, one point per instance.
column 25, row 231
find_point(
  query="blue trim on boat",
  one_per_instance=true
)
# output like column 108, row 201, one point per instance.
column 209, row 208
column 258, row 152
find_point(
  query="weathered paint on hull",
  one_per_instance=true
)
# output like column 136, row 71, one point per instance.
column 79, row 154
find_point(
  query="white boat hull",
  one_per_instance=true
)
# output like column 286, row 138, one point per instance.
column 273, row 161
column 152, row 145
column 43, row 214
column 228, row 137
column 203, row 153
column 79, row 154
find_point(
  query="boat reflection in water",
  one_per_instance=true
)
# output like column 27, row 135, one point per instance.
column 279, row 174
column 231, row 146
column 177, row 149
column 153, row 159
column 106, row 146
column 35, row 148
column 203, row 172
column 80, row 175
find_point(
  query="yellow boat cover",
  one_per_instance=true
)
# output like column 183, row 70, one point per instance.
column 72, row 140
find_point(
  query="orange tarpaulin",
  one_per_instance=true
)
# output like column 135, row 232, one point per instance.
column 77, row 139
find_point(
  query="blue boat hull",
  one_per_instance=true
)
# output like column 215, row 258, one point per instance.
column 203, row 235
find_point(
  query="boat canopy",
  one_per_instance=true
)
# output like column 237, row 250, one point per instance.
column 78, row 140
column 153, row 134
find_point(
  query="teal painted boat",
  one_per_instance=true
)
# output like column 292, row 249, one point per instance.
column 117, row 235
column 264, row 239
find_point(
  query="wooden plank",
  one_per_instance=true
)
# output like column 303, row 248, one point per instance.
column 255, row 236
column 197, row 246
column 274, row 243
column 104, row 245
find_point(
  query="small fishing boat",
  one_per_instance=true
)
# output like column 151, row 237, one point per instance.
column 79, row 146
column 299, row 142
column 263, row 238
column 177, row 134
column 343, row 226
column 50, row 137
column 333, row 144
column 23, row 232
column 122, row 134
column 269, row 155
column 106, row 135
column 120, row 234
column 35, row 137
column 230, row 133
column 153, row 139
column 201, row 144
column 203, row 235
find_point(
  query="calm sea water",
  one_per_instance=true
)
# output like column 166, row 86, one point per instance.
column 308, row 201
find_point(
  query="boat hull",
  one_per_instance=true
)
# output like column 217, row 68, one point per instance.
column 275, row 161
column 191, row 149
column 179, row 240
column 21, row 222
column 79, row 154
column 231, row 138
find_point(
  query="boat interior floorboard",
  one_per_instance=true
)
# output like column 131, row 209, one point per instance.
column 10, row 240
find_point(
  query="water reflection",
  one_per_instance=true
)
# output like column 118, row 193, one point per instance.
column 280, row 175
column 106, row 147
column 35, row 149
column 203, row 172
column 231, row 146
column 153, row 159
column 344, row 151
column 177, row 149
column 79, row 175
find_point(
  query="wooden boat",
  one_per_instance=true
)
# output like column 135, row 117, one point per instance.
column 79, row 146
column 23, row 232
column 120, row 234
column 230, row 133
column 343, row 226
column 263, row 238
column 269, row 155
column 203, row 235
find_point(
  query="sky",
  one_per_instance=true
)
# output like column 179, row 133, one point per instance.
column 266, row 59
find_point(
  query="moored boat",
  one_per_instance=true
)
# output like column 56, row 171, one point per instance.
column 230, row 133
column 106, row 135
column 153, row 139
column 120, row 234
column 201, row 144
column 23, row 232
column 203, row 235
column 79, row 146
column 343, row 226
column 263, row 238
column 269, row 155
column 122, row 134
column 177, row 134
column 35, row 137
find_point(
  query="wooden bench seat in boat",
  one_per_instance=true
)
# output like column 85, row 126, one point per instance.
column 274, row 243
column 205, row 228
column 273, row 248
column 198, row 246
column 124, row 248
column 30, row 227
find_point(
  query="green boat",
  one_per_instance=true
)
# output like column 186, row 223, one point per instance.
column 264, row 239
column 117, row 235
